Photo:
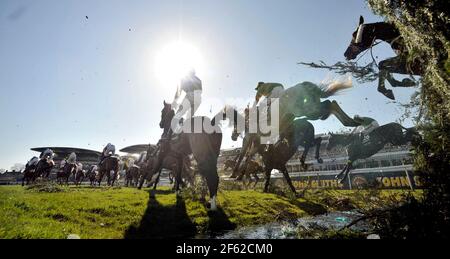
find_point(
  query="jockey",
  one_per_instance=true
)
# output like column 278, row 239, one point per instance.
column 142, row 157
column 366, row 127
column 269, row 91
column 47, row 154
column 108, row 151
column 33, row 161
column 62, row 164
column 72, row 158
column 92, row 169
column 192, row 86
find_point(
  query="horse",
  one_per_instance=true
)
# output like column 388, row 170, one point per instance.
column 92, row 174
column 229, row 164
column 78, row 174
column 149, row 161
column 109, row 167
column 132, row 175
column 62, row 176
column 204, row 146
column 294, row 133
column 44, row 167
column 356, row 149
column 364, row 37
column 29, row 174
column 304, row 101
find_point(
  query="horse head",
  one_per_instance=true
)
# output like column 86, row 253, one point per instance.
column 413, row 135
column 361, row 40
column 167, row 115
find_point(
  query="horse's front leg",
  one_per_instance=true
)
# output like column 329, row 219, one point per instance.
column 382, row 76
column 348, row 168
column 157, row 180
column 318, row 142
column 267, row 183
column 178, row 178
column 303, row 157
column 288, row 180
column 328, row 108
column 245, row 146
column 113, row 178
column 100, row 178
column 397, row 65
column 342, row 172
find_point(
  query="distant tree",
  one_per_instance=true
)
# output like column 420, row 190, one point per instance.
column 2, row 171
column 18, row 167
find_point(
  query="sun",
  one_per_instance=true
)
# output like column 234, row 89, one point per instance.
column 175, row 60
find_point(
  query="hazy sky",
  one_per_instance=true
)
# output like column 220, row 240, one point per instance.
column 68, row 80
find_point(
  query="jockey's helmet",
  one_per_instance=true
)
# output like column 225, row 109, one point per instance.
column 259, row 84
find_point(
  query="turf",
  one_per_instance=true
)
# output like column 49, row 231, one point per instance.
column 130, row 213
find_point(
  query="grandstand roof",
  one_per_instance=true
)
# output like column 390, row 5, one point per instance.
column 63, row 152
column 137, row 149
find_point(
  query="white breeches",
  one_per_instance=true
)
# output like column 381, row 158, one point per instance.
column 191, row 100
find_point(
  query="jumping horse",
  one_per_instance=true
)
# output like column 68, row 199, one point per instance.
column 364, row 37
column 390, row 133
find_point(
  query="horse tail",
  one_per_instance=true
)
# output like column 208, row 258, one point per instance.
column 336, row 86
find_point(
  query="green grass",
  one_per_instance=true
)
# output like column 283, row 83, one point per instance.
column 130, row 213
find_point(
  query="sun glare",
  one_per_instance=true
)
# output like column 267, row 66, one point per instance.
column 175, row 60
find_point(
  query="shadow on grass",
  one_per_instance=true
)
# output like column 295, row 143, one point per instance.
column 218, row 223
column 163, row 222
column 172, row 221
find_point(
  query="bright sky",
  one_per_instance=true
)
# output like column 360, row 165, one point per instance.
column 68, row 80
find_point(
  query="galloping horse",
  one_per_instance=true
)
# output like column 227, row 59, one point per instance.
column 44, row 167
column 205, row 147
column 295, row 133
column 92, row 174
column 78, row 174
column 63, row 175
column 364, row 38
column 390, row 133
column 132, row 175
column 29, row 174
column 300, row 101
column 229, row 164
column 110, row 167
column 304, row 101
column 169, row 162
